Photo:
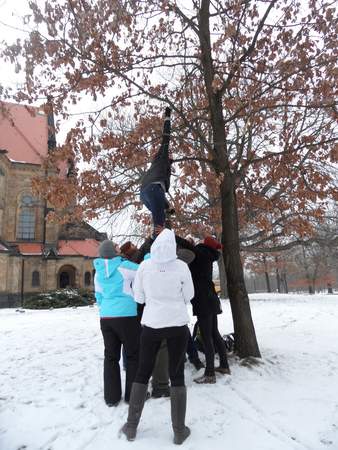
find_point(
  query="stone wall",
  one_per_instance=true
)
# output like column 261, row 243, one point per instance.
column 10, row 281
column 3, row 272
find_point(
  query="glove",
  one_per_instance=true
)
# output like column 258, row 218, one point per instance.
column 167, row 111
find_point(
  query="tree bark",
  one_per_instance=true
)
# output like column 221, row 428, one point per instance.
column 245, row 336
column 222, row 277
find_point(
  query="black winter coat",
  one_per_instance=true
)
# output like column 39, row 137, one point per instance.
column 160, row 169
column 205, row 301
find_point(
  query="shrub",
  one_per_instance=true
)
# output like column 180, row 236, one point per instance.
column 60, row 298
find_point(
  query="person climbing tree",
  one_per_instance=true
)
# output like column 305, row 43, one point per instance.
column 156, row 181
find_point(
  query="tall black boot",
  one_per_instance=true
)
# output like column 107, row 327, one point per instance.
column 178, row 398
column 136, row 403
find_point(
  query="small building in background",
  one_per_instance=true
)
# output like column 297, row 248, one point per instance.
column 35, row 255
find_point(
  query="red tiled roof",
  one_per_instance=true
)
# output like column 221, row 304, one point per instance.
column 23, row 132
column 87, row 247
column 30, row 249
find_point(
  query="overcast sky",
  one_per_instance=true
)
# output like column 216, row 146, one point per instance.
column 11, row 13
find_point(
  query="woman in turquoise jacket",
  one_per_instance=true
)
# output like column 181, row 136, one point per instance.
column 120, row 325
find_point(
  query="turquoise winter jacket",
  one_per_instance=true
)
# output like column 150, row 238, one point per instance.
column 113, row 287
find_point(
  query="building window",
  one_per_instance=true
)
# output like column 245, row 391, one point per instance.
column 35, row 278
column 26, row 222
column 87, row 279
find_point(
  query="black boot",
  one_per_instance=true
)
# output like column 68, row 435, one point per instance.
column 178, row 398
column 136, row 403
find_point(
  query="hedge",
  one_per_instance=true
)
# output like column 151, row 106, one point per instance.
column 61, row 298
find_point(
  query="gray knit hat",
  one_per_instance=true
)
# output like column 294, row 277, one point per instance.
column 107, row 249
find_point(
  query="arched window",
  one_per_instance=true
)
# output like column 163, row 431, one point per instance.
column 87, row 279
column 26, row 218
column 35, row 278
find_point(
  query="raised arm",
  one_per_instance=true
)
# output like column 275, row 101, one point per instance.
column 164, row 149
column 184, row 243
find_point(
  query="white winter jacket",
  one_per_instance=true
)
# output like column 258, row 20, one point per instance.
column 164, row 284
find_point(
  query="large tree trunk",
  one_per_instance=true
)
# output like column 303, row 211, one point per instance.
column 245, row 335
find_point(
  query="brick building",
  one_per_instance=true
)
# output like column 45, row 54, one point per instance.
column 35, row 255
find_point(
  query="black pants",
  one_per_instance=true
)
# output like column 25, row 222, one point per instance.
column 151, row 338
column 211, row 340
column 118, row 331
column 192, row 350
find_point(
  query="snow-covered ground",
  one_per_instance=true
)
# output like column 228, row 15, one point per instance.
column 51, row 384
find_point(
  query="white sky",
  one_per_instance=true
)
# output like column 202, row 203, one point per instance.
column 11, row 13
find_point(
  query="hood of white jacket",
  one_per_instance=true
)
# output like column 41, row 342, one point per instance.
column 163, row 249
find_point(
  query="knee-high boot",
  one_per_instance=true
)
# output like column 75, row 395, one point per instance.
column 136, row 403
column 178, row 398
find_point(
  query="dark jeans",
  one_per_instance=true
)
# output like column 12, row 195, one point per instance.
column 153, row 197
column 118, row 331
column 192, row 350
column 211, row 337
column 151, row 338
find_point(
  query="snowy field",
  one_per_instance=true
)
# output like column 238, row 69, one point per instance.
column 51, row 384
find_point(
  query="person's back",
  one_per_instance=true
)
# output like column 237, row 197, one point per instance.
column 113, row 291
column 205, row 300
column 163, row 284
column 202, row 266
